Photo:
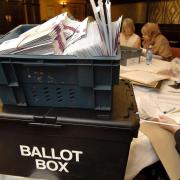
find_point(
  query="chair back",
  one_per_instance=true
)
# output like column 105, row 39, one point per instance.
column 175, row 52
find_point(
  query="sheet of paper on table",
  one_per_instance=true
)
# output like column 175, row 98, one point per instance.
column 157, row 66
column 143, row 77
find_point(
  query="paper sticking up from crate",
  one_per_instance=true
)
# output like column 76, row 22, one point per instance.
column 47, row 38
column 64, row 36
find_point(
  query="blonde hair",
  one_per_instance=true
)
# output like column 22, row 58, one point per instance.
column 90, row 19
column 151, row 30
column 128, row 22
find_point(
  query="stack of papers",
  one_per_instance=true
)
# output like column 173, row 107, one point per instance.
column 47, row 38
column 63, row 36
column 157, row 66
column 78, row 33
column 50, row 38
column 144, row 78
column 109, row 33
column 101, row 37
column 91, row 45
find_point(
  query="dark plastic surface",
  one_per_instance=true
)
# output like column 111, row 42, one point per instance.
column 129, row 52
column 104, row 145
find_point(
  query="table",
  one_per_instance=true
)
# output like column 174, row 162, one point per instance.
column 157, row 66
column 141, row 152
column 153, row 102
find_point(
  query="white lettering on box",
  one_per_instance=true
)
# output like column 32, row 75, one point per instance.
column 66, row 155
column 77, row 154
column 44, row 153
column 25, row 150
column 51, row 159
column 40, row 164
column 54, row 155
column 63, row 167
column 52, row 165
column 35, row 152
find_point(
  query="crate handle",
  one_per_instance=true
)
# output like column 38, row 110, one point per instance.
column 45, row 119
column 45, row 125
column 55, row 64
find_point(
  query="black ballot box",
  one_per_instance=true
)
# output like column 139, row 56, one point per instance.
column 69, row 144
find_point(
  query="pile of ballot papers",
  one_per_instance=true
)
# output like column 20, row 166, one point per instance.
column 144, row 78
column 64, row 36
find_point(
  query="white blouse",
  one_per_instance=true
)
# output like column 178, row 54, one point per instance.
column 128, row 42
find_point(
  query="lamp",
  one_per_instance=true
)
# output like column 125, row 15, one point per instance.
column 63, row 3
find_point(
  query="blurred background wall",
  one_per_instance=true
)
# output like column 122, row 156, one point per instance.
column 164, row 12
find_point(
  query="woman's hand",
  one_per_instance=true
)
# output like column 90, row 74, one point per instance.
column 168, row 120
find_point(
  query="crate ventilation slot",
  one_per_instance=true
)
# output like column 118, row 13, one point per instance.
column 59, row 95
column 72, row 95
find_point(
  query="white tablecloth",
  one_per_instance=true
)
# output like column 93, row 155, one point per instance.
column 151, row 102
column 141, row 155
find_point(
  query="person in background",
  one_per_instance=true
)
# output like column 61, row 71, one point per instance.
column 90, row 19
column 127, row 37
column 175, row 130
column 153, row 37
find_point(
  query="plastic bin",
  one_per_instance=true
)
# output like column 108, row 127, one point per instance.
column 129, row 55
column 16, row 32
column 57, row 81
column 49, row 144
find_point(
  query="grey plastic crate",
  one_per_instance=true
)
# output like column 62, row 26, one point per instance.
column 128, row 53
column 16, row 32
column 58, row 81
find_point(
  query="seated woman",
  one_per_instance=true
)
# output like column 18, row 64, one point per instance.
column 160, row 45
column 128, row 37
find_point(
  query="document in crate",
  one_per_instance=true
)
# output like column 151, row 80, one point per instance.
column 64, row 36
column 144, row 78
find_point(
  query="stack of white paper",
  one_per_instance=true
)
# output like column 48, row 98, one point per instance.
column 47, row 38
column 90, row 45
column 61, row 35
column 144, row 78
column 109, row 32
column 101, row 38
column 70, row 27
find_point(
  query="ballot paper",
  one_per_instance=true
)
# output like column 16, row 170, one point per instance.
column 79, row 32
column 109, row 23
column 90, row 45
column 70, row 27
column 143, row 77
column 157, row 66
column 116, row 27
column 49, row 34
column 109, row 32
column 151, row 104
column 64, row 36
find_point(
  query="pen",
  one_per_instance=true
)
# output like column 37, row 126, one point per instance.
column 170, row 110
column 162, row 123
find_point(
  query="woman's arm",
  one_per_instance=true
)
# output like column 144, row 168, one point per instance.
column 137, row 44
column 161, row 47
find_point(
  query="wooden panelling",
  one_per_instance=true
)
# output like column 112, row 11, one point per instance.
column 164, row 12
column 48, row 9
column 16, row 12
